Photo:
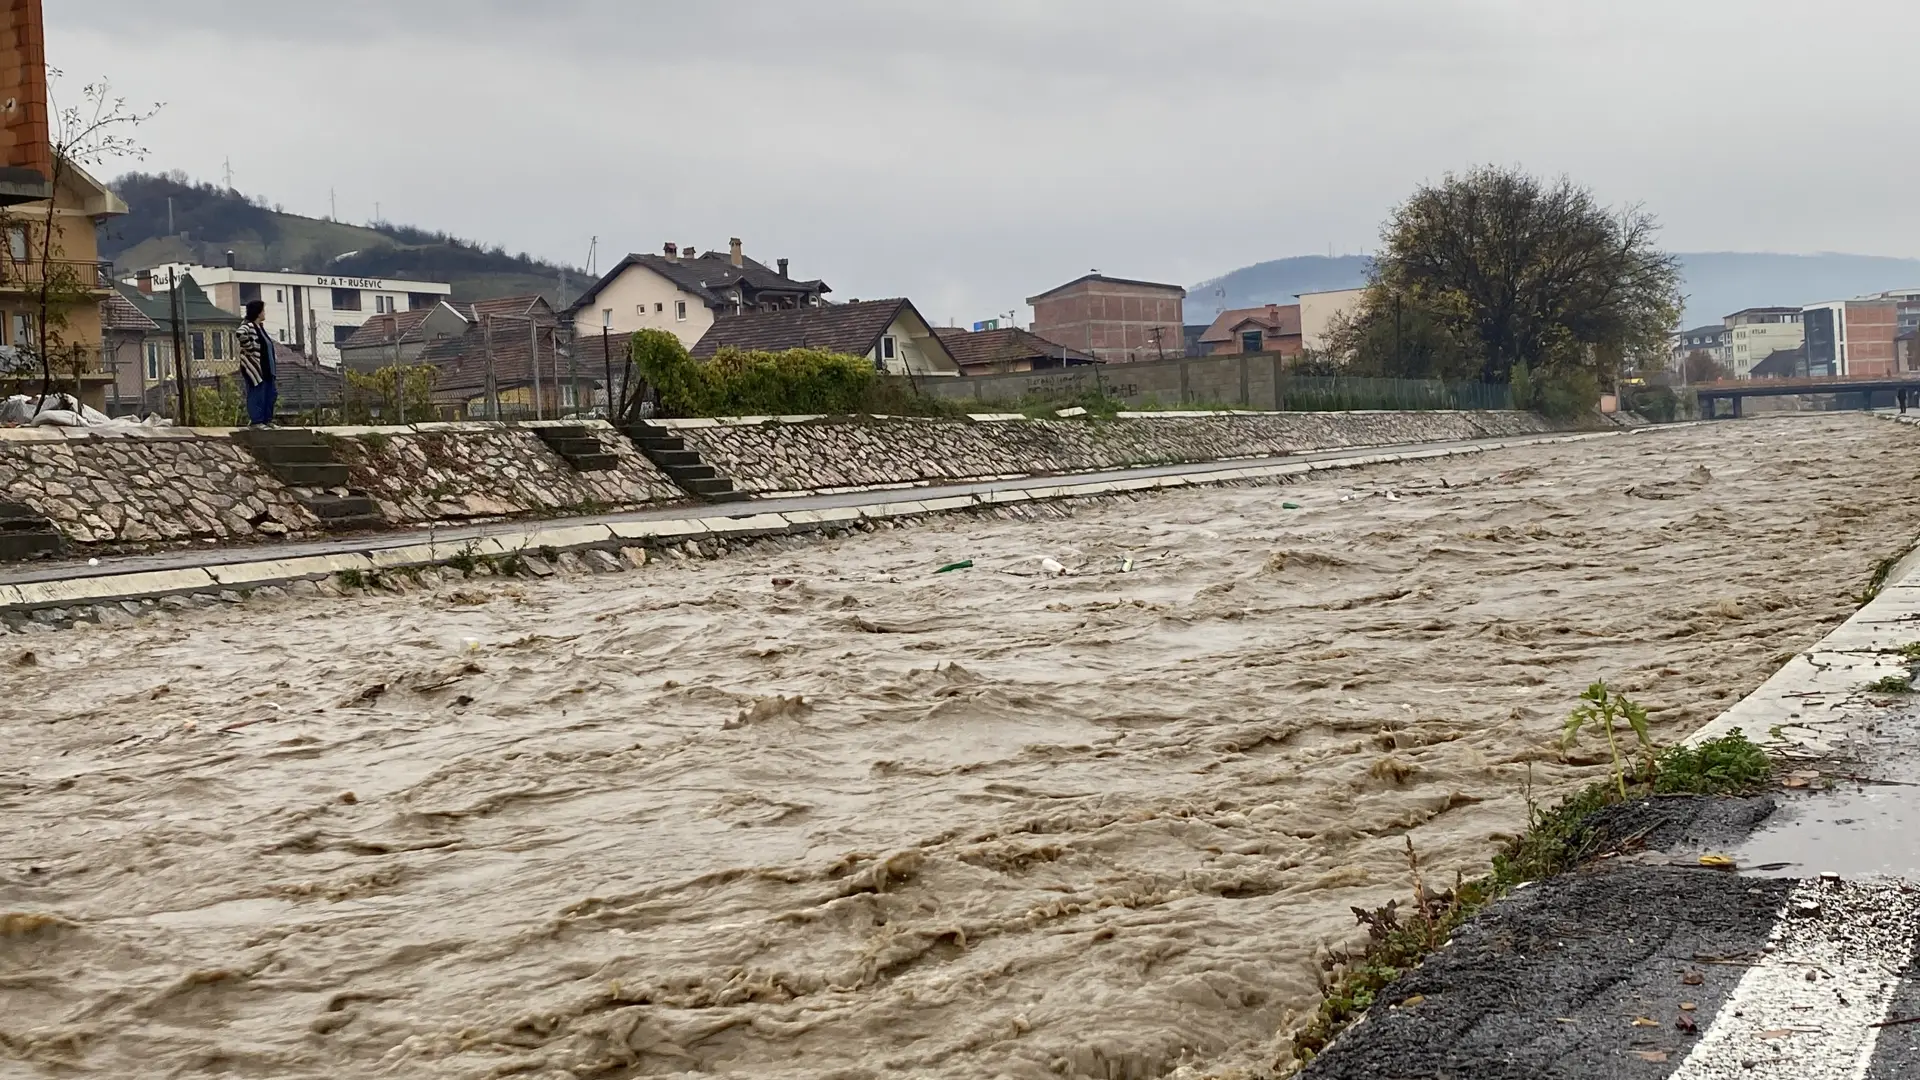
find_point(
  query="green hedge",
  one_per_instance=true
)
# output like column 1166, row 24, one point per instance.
column 742, row 383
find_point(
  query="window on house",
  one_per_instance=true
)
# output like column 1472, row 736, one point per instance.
column 640, row 310
column 680, row 310
column 248, row 293
column 199, row 340
column 283, row 335
column 1250, row 341
column 341, row 334
column 346, row 299
column 153, row 361
column 22, row 329
column 418, row 300
column 279, row 296
column 659, row 307
column 606, row 317
column 219, row 344
column 17, row 243
column 889, row 348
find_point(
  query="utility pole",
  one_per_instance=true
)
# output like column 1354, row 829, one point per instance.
column 333, row 206
column 492, row 388
column 606, row 353
column 533, row 343
column 229, row 173
column 170, row 229
column 180, row 378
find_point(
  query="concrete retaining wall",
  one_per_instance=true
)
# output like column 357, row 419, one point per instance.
column 810, row 454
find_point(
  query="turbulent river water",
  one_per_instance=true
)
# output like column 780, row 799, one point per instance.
column 821, row 812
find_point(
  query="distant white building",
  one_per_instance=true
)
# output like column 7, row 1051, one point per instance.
column 301, row 306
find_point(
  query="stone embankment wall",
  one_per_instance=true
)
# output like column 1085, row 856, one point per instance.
column 811, row 454
column 159, row 485
column 156, row 485
column 448, row 472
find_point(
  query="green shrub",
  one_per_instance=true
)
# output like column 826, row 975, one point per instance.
column 743, row 383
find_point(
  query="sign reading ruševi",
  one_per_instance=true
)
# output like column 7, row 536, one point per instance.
column 350, row 283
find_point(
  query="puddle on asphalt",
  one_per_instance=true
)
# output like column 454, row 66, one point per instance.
column 1866, row 832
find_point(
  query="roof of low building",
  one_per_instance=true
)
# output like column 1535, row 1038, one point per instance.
column 707, row 277
column 196, row 307
column 973, row 348
column 1780, row 364
column 462, row 362
column 531, row 305
column 1281, row 319
column 1084, row 278
column 398, row 327
column 853, row 328
column 119, row 313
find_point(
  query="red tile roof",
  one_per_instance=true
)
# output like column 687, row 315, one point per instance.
column 985, row 348
column 1277, row 319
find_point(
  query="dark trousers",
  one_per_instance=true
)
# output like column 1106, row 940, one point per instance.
column 261, row 399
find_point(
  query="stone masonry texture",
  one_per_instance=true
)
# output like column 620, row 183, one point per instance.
column 779, row 456
column 477, row 470
column 108, row 490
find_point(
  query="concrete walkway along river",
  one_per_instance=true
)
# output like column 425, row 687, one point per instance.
column 824, row 813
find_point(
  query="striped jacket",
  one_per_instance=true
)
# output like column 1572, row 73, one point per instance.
column 256, row 353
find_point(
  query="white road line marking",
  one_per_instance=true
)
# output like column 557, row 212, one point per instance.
column 1807, row 1010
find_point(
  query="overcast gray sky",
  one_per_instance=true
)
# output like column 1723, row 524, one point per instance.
column 969, row 153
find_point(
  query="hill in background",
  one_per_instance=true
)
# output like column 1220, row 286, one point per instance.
column 206, row 222
column 1716, row 282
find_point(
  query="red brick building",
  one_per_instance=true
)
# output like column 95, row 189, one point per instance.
column 1116, row 320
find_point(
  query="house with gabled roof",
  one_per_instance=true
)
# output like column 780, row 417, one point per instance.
column 891, row 334
column 683, row 292
column 993, row 352
column 1273, row 328
column 398, row 337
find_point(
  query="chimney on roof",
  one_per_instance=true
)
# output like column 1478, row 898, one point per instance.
column 145, row 280
column 691, row 253
column 734, row 255
column 1273, row 314
column 672, row 250
column 783, row 266
column 229, row 258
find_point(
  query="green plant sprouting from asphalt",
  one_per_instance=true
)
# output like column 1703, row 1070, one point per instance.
column 1603, row 710
column 1555, row 841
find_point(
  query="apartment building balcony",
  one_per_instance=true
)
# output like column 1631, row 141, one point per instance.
column 81, row 370
column 91, row 276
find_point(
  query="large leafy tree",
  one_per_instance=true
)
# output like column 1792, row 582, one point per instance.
column 1496, row 269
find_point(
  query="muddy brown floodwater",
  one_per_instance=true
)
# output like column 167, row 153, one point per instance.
column 878, row 822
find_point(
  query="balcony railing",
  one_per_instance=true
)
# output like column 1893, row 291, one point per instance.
column 89, row 274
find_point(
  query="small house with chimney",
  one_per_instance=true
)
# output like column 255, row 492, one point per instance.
column 682, row 291
column 1273, row 328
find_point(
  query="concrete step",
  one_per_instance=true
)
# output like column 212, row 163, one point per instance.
column 333, row 508
column 597, row 462
column 279, row 437
column 714, row 488
column 563, row 431
column 310, row 474
column 675, row 459
column 650, row 443
column 20, row 544
column 681, row 474
column 573, row 447
column 294, row 453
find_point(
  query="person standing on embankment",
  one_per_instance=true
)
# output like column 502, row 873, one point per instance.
column 256, row 366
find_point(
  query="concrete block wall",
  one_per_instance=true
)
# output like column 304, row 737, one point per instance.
column 450, row 472
column 765, row 455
